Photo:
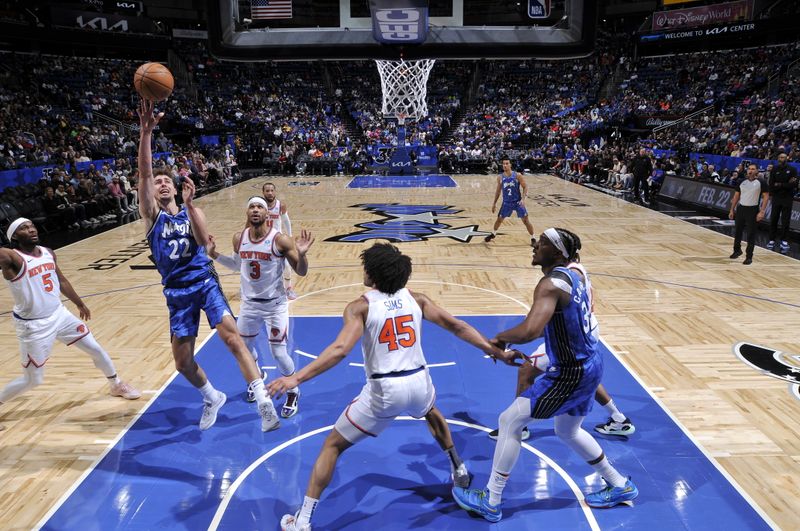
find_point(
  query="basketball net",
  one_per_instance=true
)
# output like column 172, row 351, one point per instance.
column 404, row 87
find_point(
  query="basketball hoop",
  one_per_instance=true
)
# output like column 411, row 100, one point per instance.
column 404, row 87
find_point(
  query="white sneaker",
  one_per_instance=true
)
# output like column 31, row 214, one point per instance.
column 126, row 391
column 289, row 523
column 289, row 408
column 251, row 396
column 269, row 417
column 291, row 294
column 210, row 411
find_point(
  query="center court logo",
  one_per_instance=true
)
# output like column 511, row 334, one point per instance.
column 409, row 223
column 771, row 362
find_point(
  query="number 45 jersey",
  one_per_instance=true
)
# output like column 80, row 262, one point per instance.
column 392, row 339
column 178, row 257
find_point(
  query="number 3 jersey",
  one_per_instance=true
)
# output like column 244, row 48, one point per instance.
column 392, row 339
column 36, row 289
column 262, row 267
column 178, row 257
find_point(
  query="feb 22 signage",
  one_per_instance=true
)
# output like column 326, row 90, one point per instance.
column 399, row 22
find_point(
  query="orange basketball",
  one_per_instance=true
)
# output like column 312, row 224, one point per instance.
column 153, row 81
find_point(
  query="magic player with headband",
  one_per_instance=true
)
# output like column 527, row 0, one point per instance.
column 561, row 312
column 36, row 284
column 260, row 253
column 279, row 220
column 514, row 189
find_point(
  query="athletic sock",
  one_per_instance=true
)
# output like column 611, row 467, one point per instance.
column 497, row 482
column 610, row 473
column 455, row 459
column 113, row 379
column 307, row 511
column 615, row 414
column 208, row 392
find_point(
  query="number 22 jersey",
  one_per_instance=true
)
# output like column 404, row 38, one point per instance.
column 178, row 257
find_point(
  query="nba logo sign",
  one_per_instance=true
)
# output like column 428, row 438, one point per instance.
column 538, row 8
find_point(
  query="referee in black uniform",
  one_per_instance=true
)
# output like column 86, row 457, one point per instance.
column 782, row 187
column 746, row 212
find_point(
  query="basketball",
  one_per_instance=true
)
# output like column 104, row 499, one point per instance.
column 153, row 81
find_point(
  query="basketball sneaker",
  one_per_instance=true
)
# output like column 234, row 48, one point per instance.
column 461, row 477
column 251, row 396
column 771, row 246
column 525, row 434
column 785, row 247
column 210, row 410
column 613, row 427
column 477, row 501
column 291, row 294
column 611, row 496
column 289, row 523
column 126, row 391
column 289, row 408
column 489, row 238
column 269, row 417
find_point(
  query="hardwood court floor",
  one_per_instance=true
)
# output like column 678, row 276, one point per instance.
column 667, row 298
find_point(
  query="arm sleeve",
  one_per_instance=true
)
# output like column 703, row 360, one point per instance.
column 286, row 224
column 231, row 262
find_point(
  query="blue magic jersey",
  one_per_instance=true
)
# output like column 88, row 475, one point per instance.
column 179, row 259
column 510, row 186
column 568, row 335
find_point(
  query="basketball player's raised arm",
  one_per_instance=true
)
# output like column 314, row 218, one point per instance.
column 497, row 193
column 196, row 216
column 441, row 317
column 10, row 263
column 148, row 120
column 295, row 250
column 71, row 294
column 545, row 301
column 353, row 328
column 286, row 224
column 234, row 262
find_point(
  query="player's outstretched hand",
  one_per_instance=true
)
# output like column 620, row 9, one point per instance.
column 278, row 386
column 497, row 343
column 304, row 241
column 148, row 119
column 512, row 357
column 188, row 191
column 211, row 246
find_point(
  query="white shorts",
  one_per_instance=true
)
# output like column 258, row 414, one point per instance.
column 37, row 336
column 381, row 400
column 274, row 314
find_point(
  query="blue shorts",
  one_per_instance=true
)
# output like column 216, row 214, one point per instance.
column 565, row 390
column 506, row 209
column 185, row 304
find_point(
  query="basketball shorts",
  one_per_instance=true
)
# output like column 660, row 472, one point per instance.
column 184, row 306
column 383, row 399
column 274, row 314
column 506, row 209
column 37, row 336
column 539, row 358
column 565, row 390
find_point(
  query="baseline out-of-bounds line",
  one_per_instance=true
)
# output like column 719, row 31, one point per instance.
column 691, row 437
column 226, row 500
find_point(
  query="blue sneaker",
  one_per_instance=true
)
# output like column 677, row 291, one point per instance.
column 477, row 501
column 611, row 496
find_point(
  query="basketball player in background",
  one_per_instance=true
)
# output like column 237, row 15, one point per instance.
column 509, row 184
column 36, row 283
column 260, row 253
column 389, row 316
column 539, row 361
column 279, row 219
column 561, row 312
column 177, row 238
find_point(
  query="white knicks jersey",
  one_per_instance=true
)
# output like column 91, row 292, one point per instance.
column 392, row 339
column 274, row 219
column 36, row 289
column 262, row 267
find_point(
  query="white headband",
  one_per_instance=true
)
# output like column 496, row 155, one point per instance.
column 14, row 226
column 555, row 238
column 260, row 200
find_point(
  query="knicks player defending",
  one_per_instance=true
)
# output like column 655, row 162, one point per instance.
column 565, row 392
column 279, row 220
column 390, row 318
column 36, row 283
column 177, row 237
column 509, row 184
column 260, row 253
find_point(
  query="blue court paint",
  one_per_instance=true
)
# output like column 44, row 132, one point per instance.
column 165, row 473
column 397, row 181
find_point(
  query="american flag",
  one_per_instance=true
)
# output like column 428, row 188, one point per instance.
column 270, row 9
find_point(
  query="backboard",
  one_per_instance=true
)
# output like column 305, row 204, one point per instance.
column 290, row 30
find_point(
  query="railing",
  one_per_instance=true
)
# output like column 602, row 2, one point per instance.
column 685, row 118
column 125, row 130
